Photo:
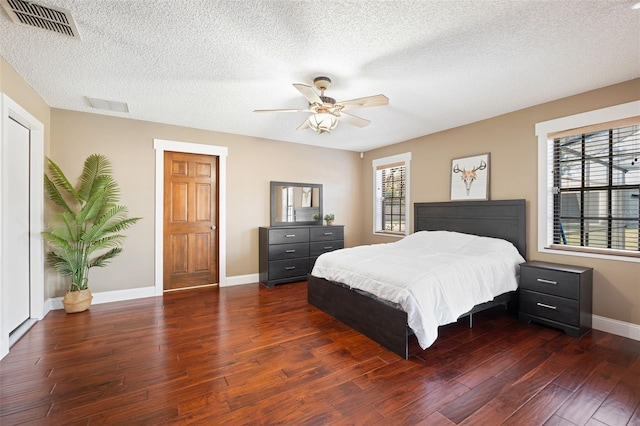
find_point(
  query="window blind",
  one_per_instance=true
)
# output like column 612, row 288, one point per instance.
column 596, row 187
column 390, row 198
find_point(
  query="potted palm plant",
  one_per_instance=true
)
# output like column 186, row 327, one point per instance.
column 85, row 232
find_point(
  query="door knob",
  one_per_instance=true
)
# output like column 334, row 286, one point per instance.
column 213, row 227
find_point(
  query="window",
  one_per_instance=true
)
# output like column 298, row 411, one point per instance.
column 595, row 191
column 592, row 187
column 391, row 195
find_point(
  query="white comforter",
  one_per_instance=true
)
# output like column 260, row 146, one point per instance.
column 435, row 276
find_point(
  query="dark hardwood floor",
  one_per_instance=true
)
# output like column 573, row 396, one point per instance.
column 252, row 355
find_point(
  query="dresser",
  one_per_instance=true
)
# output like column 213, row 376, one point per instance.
column 557, row 295
column 287, row 254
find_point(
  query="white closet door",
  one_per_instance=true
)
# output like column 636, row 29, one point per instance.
column 16, row 227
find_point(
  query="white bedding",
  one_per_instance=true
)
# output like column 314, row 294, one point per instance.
column 435, row 276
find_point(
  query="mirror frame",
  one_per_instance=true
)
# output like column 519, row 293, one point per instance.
column 275, row 223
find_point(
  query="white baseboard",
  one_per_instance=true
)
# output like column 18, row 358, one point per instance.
column 21, row 330
column 48, row 306
column 619, row 328
column 139, row 293
column 241, row 279
column 107, row 297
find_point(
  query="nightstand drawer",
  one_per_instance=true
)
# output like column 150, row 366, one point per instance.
column 551, row 307
column 550, row 281
column 288, row 268
column 325, row 246
column 326, row 233
column 288, row 251
column 288, row 235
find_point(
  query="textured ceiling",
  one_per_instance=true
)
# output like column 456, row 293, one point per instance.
column 442, row 64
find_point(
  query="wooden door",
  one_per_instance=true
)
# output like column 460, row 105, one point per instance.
column 190, row 220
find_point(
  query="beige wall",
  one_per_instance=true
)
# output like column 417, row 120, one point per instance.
column 512, row 142
column 12, row 85
column 251, row 164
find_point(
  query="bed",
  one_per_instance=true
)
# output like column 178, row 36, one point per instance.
column 386, row 323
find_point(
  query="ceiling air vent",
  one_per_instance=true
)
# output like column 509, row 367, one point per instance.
column 37, row 15
column 108, row 105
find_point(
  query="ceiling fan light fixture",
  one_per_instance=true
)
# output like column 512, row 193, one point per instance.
column 323, row 122
column 322, row 83
column 325, row 111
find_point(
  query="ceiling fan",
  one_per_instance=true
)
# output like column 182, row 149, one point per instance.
column 325, row 111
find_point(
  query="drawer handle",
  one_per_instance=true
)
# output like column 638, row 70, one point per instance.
column 289, row 251
column 328, row 248
column 542, row 305
column 328, row 233
column 290, row 235
column 290, row 268
column 540, row 280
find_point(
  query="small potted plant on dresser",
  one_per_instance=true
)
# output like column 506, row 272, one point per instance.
column 329, row 218
column 85, row 232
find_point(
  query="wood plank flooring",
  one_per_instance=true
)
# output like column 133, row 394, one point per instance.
column 252, row 355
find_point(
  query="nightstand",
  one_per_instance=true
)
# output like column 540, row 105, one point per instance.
column 557, row 295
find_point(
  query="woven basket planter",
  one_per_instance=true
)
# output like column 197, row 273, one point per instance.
column 77, row 301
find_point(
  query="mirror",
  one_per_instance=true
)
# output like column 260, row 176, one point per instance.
column 294, row 203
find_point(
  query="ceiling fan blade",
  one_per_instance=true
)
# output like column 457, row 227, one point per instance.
column 369, row 101
column 304, row 125
column 282, row 110
column 353, row 120
column 308, row 92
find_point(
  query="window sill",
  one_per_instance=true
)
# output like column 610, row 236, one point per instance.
column 567, row 252
column 390, row 234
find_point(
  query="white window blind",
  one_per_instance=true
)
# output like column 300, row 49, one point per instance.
column 594, row 194
column 391, row 194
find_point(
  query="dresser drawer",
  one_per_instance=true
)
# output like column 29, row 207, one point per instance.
column 288, row 268
column 288, row 235
column 551, row 307
column 550, row 281
column 288, row 251
column 326, row 233
column 317, row 248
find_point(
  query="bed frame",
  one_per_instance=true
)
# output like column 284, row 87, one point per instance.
column 386, row 324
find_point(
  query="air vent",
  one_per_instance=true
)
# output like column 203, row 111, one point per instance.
column 108, row 105
column 46, row 17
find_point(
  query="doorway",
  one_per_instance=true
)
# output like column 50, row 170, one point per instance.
column 161, row 146
column 21, row 219
column 190, row 220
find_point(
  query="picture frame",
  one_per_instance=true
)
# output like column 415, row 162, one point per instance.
column 470, row 177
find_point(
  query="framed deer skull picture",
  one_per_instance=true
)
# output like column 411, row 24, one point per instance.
column 470, row 178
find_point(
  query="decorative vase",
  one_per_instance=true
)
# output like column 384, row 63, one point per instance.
column 77, row 301
column 329, row 222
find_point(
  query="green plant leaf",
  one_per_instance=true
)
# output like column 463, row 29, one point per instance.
column 103, row 259
column 60, row 181
column 57, row 240
column 59, row 263
column 95, row 166
column 114, row 220
column 112, row 241
column 54, row 194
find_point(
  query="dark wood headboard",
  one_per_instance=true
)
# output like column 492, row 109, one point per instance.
column 504, row 219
